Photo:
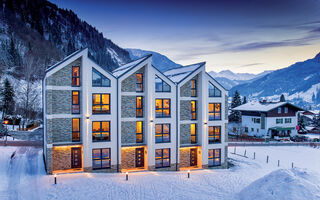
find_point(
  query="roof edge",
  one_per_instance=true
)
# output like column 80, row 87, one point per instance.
column 146, row 57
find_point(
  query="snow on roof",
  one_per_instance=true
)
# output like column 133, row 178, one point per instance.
column 259, row 106
column 125, row 68
column 179, row 73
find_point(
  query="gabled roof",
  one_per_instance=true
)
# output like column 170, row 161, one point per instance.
column 127, row 67
column 262, row 106
column 216, row 81
column 180, row 73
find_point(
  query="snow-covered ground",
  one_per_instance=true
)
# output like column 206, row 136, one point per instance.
column 24, row 178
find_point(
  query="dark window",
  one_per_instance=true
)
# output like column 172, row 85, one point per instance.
column 139, row 81
column 287, row 120
column 279, row 110
column 214, row 91
column 75, row 76
column 162, row 86
column 214, row 111
column 285, row 109
column 162, row 133
column 101, row 103
column 75, row 102
column 101, row 131
column 214, row 157
column 99, row 80
column 162, row 158
column 246, row 129
column 75, row 130
column 139, row 132
column 139, row 107
column 162, row 108
column 214, row 134
column 193, row 130
column 193, row 110
column 256, row 120
column 193, row 88
column 101, row 158
column 279, row 121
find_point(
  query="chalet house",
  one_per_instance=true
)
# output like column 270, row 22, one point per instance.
column 134, row 118
column 269, row 119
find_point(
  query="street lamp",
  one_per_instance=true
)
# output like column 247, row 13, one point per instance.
column 6, row 122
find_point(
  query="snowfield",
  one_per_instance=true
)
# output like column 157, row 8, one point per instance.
column 23, row 177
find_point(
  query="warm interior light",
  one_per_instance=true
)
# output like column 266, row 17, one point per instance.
column 188, row 170
column 55, row 175
column 127, row 173
column 6, row 121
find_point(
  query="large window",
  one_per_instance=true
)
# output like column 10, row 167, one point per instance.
column 75, row 102
column 162, row 86
column 193, row 130
column 287, row 120
column 162, row 108
column 214, row 111
column 162, row 158
column 215, row 134
column 139, row 107
column 75, row 130
column 193, row 110
column 139, row 82
column 101, row 103
column 99, row 80
column 162, row 133
column 193, row 88
column 214, row 157
column 256, row 120
column 139, row 132
column 214, row 91
column 101, row 131
column 101, row 158
column 279, row 121
column 75, row 76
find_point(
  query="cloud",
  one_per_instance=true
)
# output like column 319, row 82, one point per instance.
column 250, row 65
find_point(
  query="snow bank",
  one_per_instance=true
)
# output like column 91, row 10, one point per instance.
column 289, row 184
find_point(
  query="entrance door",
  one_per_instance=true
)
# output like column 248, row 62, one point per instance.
column 139, row 157
column 193, row 157
column 76, row 157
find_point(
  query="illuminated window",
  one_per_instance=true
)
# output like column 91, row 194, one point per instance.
column 75, row 76
column 162, row 158
column 101, row 158
column 193, row 88
column 101, row 103
column 162, row 108
column 139, row 81
column 139, row 132
column 99, row 80
column 214, row 91
column 214, row 111
column 193, row 130
column 139, row 107
column 162, row 133
column 162, row 86
column 101, row 131
column 75, row 102
column 215, row 134
column 193, row 110
column 75, row 130
column 214, row 157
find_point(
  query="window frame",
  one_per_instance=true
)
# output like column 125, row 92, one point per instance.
column 74, row 132
column 72, row 104
column 279, row 120
column 163, row 158
column 214, row 90
column 212, row 137
column 279, row 110
column 140, row 84
column 214, row 108
column 140, row 109
column 193, row 135
column 162, row 83
column 162, row 109
column 101, row 76
column 214, row 157
column 193, row 89
column 286, row 110
column 194, row 112
column 100, row 131
column 288, row 120
column 108, row 159
column 100, row 113
column 75, row 77
column 139, row 133
column 162, row 133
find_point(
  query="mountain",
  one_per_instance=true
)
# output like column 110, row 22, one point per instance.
column 158, row 60
column 300, row 83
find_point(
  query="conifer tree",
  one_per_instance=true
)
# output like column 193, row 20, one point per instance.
column 244, row 100
column 235, row 115
column 282, row 99
column 7, row 97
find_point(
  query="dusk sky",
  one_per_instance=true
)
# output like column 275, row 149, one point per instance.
column 240, row 35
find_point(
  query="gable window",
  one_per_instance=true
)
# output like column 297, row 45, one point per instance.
column 162, row 108
column 214, row 91
column 101, row 158
column 214, row 111
column 101, row 131
column 139, row 82
column 99, row 80
column 139, row 107
column 193, row 133
column 193, row 110
column 75, row 102
column 101, row 103
column 279, row 110
column 193, row 88
column 215, row 134
column 279, row 121
column 287, row 120
column 214, row 157
column 75, row 130
column 161, row 85
column 162, row 158
column 139, row 132
column 285, row 109
column 162, row 133
column 75, row 76
column 256, row 120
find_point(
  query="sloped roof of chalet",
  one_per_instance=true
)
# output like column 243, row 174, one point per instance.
column 180, row 73
column 262, row 106
column 127, row 67
column 217, row 81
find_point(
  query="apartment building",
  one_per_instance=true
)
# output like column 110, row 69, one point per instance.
column 134, row 118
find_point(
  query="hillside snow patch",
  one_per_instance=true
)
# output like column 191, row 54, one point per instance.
column 288, row 184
